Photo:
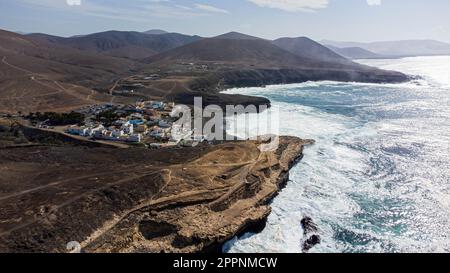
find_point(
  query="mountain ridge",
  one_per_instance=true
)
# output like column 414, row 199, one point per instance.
column 123, row 44
column 38, row 75
column 42, row 72
column 355, row 53
column 155, row 32
column 307, row 48
column 238, row 48
column 234, row 35
column 401, row 48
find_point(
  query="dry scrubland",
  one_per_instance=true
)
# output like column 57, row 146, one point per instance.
column 56, row 190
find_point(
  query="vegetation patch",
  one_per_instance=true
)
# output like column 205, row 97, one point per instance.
column 57, row 119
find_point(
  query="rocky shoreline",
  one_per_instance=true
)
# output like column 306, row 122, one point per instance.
column 211, row 85
column 132, row 200
column 205, row 225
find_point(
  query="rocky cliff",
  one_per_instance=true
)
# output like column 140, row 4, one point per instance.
column 135, row 200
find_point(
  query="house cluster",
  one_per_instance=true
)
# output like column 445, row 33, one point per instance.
column 195, row 66
column 124, row 133
column 95, row 109
column 146, row 121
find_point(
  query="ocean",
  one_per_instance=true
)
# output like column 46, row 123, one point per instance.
column 378, row 178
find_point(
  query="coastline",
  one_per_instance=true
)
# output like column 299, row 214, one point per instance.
column 362, row 128
column 206, row 227
column 194, row 200
column 167, row 217
column 213, row 86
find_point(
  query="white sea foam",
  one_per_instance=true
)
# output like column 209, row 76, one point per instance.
column 377, row 178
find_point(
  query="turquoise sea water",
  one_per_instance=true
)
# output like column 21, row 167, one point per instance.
column 378, row 177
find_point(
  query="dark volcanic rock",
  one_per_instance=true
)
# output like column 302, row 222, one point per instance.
column 151, row 229
column 309, row 227
column 261, row 77
column 310, row 243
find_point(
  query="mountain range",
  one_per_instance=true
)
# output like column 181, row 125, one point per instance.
column 43, row 72
column 392, row 49
column 42, row 75
column 124, row 44
column 354, row 53
column 234, row 49
column 155, row 31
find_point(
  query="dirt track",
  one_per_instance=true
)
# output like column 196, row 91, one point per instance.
column 101, row 197
column 30, row 91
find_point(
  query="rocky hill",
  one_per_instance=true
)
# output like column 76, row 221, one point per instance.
column 125, row 44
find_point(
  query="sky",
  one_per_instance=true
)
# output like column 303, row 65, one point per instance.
column 341, row 20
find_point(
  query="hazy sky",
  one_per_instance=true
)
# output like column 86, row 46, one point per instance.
column 352, row 20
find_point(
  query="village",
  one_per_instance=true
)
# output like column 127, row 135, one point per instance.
column 150, row 123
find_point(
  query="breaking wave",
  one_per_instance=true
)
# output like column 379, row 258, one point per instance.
column 377, row 179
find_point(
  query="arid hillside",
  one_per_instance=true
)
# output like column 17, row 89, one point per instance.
column 237, row 60
column 41, row 76
column 134, row 200
column 124, row 44
column 47, row 73
column 307, row 48
column 232, row 51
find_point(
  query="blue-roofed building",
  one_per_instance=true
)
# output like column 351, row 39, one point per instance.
column 136, row 122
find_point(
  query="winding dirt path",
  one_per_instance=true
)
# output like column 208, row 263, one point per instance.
column 16, row 67
column 112, row 223
column 74, row 199
column 55, row 183
column 59, row 87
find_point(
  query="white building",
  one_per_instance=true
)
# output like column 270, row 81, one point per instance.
column 76, row 130
column 93, row 131
column 128, row 128
column 117, row 133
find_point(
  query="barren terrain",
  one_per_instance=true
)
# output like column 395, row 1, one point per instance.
column 136, row 200
column 46, row 73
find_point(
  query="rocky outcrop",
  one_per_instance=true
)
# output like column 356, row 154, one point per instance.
column 134, row 200
column 209, row 85
column 310, row 233
column 202, row 222
column 260, row 77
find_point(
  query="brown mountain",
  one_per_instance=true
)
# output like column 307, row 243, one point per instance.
column 237, row 60
column 395, row 49
column 355, row 53
column 237, row 36
column 41, row 75
column 41, row 72
column 155, row 31
column 244, row 50
column 124, row 44
column 307, row 48
column 240, row 51
column 234, row 51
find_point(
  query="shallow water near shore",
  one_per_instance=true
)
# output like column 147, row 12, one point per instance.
column 378, row 177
